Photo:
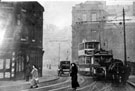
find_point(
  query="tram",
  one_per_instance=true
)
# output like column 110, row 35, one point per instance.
column 86, row 61
column 100, row 64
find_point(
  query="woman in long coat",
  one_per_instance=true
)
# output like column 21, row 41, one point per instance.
column 34, row 81
column 74, row 78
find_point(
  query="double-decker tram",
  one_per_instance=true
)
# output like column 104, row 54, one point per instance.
column 86, row 61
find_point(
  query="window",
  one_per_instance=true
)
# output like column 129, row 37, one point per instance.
column 94, row 16
column 1, row 63
column 81, row 60
column 84, row 17
column 81, row 46
column 7, row 64
column 88, row 59
column 19, row 64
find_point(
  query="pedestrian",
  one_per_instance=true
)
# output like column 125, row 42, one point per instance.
column 35, row 80
column 74, row 78
column 28, row 70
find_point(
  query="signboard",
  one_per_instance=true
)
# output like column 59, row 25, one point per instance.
column 88, row 52
column 84, row 69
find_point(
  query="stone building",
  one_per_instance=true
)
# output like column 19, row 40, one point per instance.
column 21, row 26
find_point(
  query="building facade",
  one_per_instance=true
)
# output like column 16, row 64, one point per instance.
column 87, row 24
column 108, row 29
column 21, row 41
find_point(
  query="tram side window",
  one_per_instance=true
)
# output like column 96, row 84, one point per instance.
column 82, row 60
column 96, row 46
column 88, row 59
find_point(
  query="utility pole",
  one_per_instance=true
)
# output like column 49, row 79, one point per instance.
column 124, row 35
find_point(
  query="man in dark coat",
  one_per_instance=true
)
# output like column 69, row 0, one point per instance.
column 73, row 74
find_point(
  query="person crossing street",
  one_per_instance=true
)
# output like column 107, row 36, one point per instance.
column 35, row 79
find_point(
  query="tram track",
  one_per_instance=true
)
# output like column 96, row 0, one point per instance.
column 61, row 79
column 53, row 86
column 112, row 87
column 68, row 87
column 86, row 84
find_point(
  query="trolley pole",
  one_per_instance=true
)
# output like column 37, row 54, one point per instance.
column 59, row 52
column 124, row 35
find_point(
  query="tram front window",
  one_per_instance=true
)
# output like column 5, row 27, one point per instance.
column 81, row 46
column 65, row 64
column 88, row 45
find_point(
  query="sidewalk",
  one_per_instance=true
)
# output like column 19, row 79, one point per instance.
column 22, row 84
column 131, row 80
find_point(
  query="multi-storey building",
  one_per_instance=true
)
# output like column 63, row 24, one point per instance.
column 109, row 29
column 21, row 26
column 87, row 23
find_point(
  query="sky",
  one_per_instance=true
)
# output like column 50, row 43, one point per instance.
column 59, row 12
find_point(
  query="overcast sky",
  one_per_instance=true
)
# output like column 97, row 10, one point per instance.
column 59, row 12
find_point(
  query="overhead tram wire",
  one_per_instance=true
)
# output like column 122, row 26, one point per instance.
column 82, row 22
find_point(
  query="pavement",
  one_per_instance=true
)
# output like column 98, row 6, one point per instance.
column 49, row 75
column 131, row 80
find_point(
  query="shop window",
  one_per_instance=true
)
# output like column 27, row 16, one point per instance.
column 7, row 64
column 7, row 74
column 1, row 75
column 1, row 63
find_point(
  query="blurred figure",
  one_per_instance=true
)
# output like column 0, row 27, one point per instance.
column 74, row 78
column 28, row 70
column 35, row 80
